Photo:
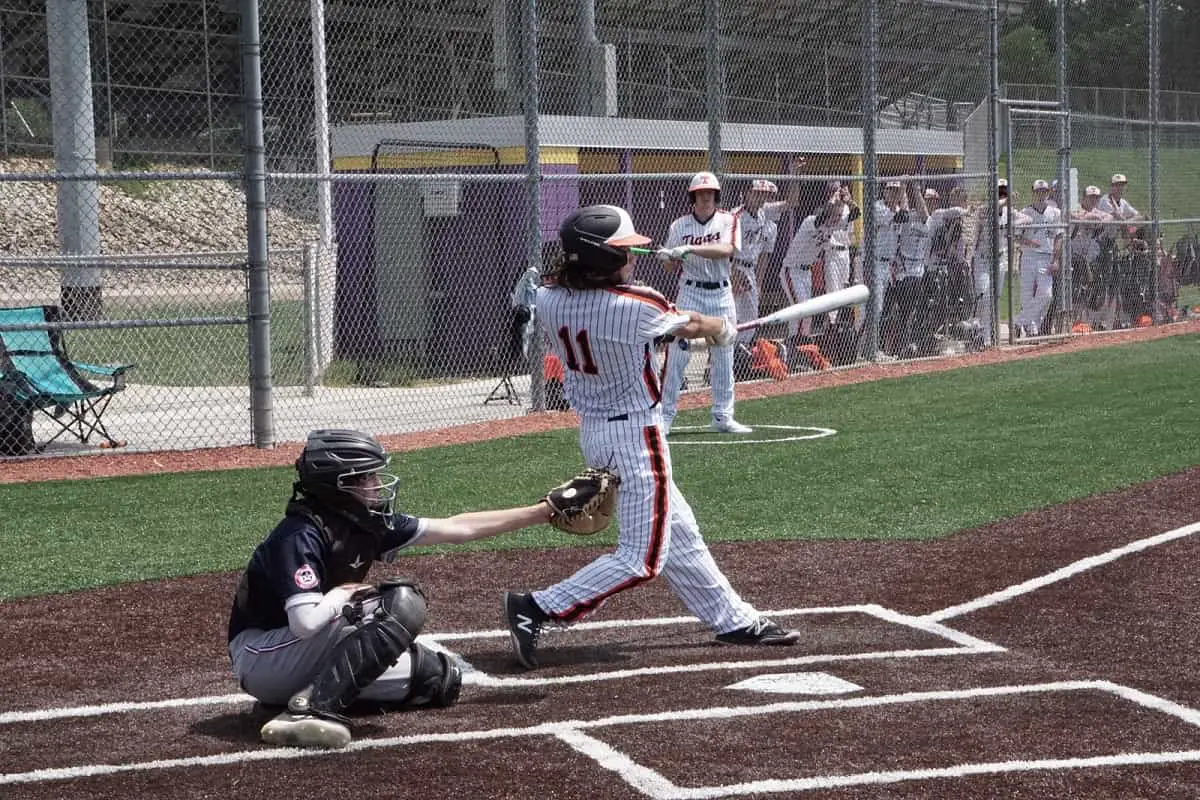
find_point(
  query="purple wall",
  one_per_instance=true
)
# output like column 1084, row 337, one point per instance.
column 474, row 259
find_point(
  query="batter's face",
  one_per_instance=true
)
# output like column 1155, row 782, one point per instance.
column 704, row 203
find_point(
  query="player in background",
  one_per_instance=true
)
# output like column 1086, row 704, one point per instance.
column 1041, row 251
column 700, row 245
column 981, row 258
column 305, row 630
column 821, row 242
column 604, row 328
column 758, row 218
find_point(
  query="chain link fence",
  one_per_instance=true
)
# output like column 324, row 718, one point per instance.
column 385, row 281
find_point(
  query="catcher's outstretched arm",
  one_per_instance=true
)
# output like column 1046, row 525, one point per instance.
column 474, row 525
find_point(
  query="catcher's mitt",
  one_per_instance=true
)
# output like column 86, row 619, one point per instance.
column 584, row 505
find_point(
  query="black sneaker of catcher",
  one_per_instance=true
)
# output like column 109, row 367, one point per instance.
column 761, row 632
column 525, row 620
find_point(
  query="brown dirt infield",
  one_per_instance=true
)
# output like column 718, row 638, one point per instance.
column 1131, row 622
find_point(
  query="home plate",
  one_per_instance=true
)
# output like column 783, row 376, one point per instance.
column 797, row 683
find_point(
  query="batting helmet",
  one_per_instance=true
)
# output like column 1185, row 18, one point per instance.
column 330, row 467
column 595, row 237
column 701, row 181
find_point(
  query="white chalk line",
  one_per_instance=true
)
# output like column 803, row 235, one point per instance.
column 1068, row 571
column 474, row 677
column 655, row 785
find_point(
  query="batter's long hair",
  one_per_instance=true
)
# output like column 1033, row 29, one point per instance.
column 572, row 274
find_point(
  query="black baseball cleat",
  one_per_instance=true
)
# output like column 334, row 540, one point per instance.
column 761, row 632
column 525, row 621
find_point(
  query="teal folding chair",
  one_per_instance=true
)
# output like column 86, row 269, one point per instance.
column 35, row 372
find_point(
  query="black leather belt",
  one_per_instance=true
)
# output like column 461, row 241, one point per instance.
column 708, row 284
column 618, row 418
column 839, row 247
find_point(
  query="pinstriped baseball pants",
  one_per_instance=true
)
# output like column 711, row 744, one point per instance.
column 658, row 533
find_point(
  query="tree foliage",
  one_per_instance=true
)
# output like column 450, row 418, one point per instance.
column 1106, row 44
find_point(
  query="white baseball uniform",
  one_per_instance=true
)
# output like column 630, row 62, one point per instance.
column 1037, row 280
column 981, row 261
column 605, row 339
column 759, row 232
column 1120, row 210
column 704, row 287
column 795, row 274
column 887, row 246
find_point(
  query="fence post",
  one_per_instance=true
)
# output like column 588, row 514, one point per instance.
column 258, row 300
column 533, row 189
column 871, row 274
column 714, row 78
column 1154, row 9
column 311, row 317
column 993, row 158
column 73, row 119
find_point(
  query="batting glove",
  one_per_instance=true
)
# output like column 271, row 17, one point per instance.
column 674, row 253
column 727, row 336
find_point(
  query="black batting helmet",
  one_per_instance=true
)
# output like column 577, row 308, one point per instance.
column 329, row 468
column 595, row 237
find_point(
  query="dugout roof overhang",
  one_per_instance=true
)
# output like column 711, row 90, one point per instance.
column 354, row 141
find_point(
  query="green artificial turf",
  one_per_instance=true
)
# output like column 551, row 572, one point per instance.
column 913, row 458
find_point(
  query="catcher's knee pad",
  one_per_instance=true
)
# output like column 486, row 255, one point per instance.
column 436, row 679
column 366, row 652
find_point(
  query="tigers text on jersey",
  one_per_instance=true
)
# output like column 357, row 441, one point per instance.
column 721, row 228
column 605, row 340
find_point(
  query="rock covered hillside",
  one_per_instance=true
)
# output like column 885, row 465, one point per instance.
column 139, row 217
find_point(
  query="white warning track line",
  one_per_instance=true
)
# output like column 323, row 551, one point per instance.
column 655, row 785
column 1082, row 565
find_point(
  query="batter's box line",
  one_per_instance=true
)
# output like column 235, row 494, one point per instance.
column 656, row 786
column 571, row 732
column 965, row 645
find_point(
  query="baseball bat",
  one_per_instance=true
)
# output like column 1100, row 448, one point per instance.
column 851, row 295
column 642, row 251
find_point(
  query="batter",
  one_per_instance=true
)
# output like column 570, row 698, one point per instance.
column 603, row 328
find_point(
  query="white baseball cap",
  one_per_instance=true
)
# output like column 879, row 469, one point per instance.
column 893, row 185
column 1119, row 178
column 931, row 193
column 1093, row 191
column 1002, row 183
column 625, row 235
column 763, row 186
column 1040, row 185
column 704, row 180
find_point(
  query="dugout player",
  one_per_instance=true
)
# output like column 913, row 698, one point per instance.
column 1041, row 251
column 603, row 328
column 307, row 632
column 700, row 245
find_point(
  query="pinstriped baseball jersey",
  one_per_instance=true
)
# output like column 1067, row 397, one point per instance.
column 721, row 228
column 604, row 338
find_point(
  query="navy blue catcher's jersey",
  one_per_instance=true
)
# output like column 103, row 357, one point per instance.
column 296, row 558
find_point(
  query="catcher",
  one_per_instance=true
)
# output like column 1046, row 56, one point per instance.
column 307, row 632
column 603, row 328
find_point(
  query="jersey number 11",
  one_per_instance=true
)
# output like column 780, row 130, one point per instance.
column 581, row 338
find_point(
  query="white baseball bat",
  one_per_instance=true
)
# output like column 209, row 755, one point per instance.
column 821, row 304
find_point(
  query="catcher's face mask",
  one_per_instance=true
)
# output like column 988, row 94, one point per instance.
column 375, row 490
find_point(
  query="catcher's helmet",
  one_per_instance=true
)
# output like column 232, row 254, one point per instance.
column 331, row 467
column 701, row 181
column 595, row 238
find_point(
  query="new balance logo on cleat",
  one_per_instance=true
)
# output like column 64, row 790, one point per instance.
column 525, row 621
column 762, row 632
